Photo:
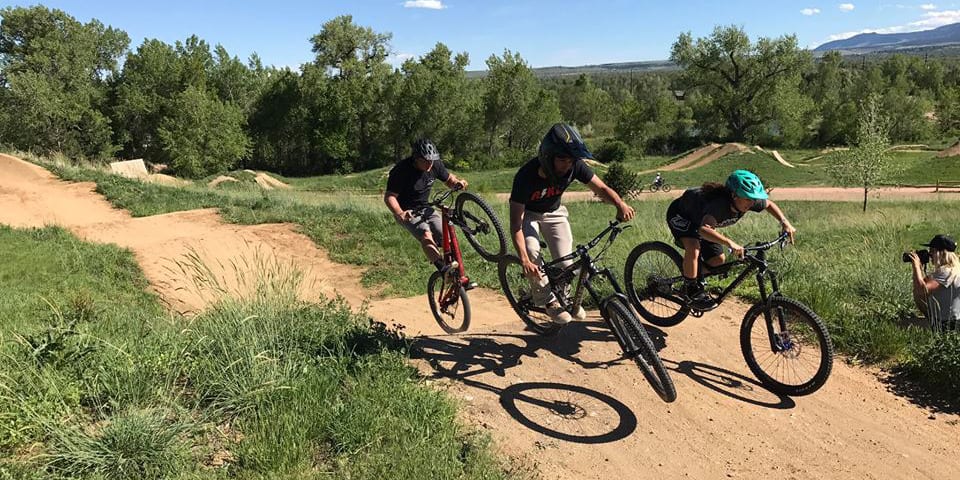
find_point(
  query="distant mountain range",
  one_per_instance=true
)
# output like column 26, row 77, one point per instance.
column 884, row 42
column 942, row 41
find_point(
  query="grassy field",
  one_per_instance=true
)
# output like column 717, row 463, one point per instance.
column 916, row 168
column 96, row 382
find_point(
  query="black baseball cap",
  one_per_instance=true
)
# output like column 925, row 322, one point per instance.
column 942, row 242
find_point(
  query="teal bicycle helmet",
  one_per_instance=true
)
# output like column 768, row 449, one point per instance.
column 746, row 184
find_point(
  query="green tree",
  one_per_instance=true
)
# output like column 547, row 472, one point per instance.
column 54, row 81
column 355, row 96
column 516, row 108
column 584, row 103
column 143, row 96
column 740, row 77
column 203, row 135
column 868, row 162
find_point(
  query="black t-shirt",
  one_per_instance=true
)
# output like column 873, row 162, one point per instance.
column 695, row 205
column 536, row 193
column 413, row 185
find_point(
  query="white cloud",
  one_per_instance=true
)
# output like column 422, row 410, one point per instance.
column 846, row 7
column 431, row 4
column 810, row 11
column 935, row 19
column 397, row 59
column 928, row 6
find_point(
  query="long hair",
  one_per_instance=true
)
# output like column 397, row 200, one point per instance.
column 943, row 260
column 714, row 188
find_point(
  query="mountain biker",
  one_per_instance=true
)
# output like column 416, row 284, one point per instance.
column 937, row 295
column 658, row 180
column 407, row 194
column 695, row 217
column 535, row 208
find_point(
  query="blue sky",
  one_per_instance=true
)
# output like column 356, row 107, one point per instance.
column 546, row 33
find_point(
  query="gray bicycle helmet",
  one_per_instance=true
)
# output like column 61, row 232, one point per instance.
column 561, row 140
column 423, row 147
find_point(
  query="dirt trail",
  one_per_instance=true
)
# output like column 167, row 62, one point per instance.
column 611, row 424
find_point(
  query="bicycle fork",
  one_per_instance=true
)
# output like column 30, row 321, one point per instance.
column 777, row 333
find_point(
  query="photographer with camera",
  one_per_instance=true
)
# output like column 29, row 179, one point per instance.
column 937, row 295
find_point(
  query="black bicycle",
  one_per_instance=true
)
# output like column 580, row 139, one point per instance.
column 619, row 316
column 448, row 293
column 785, row 344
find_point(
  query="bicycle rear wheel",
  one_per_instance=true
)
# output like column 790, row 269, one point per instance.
column 792, row 353
column 648, row 267
column 519, row 293
column 637, row 345
column 481, row 227
column 449, row 303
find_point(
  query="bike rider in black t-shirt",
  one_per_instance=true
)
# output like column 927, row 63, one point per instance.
column 407, row 197
column 695, row 217
column 535, row 208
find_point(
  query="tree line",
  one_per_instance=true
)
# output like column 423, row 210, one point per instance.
column 201, row 111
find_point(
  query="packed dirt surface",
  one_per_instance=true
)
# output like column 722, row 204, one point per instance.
column 701, row 156
column 567, row 405
column 953, row 151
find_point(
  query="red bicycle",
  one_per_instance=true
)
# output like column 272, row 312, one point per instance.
column 448, row 293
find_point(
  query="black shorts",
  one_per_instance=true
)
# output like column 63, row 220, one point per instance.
column 682, row 227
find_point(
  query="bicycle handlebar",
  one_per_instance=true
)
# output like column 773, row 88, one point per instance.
column 440, row 197
column 767, row 245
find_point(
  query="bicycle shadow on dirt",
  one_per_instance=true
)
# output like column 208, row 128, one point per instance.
column 730, row 384
column 473, row 354
column 565, row 412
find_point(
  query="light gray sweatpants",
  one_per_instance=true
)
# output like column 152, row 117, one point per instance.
column 554, row 227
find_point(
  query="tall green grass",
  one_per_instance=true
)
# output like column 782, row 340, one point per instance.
column 110, row 387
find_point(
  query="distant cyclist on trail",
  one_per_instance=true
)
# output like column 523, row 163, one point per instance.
column 658, row 180
column 695, row 217
column 407, row 196
column 535, row 208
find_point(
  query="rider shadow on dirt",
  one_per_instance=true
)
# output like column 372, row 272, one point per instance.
column 731, row 384
column 902, row 383
column 465, row 356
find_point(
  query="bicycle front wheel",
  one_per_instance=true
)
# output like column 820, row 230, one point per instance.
column 648, row 273
column 481, row 227
column 520, row 295
column 637, row 345
column 449, row 303
column 666, row 188
column 786, row 346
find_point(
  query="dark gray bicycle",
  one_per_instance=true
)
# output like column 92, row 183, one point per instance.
column 783, row 341
column 619, row 316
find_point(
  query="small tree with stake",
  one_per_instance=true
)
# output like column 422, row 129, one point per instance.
column 868, row 162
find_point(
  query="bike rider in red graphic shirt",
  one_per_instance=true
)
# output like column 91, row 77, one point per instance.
column 535, row 208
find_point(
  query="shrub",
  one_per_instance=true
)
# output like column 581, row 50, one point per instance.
column 622, row 180
column 937, row 364
column 612, row 151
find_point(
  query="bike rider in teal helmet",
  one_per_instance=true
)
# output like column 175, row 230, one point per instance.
column 695, row 217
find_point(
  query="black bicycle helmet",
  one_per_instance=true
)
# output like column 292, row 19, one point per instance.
column 423, row 147
column 561, row 140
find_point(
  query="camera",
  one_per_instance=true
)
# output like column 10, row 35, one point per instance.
column 923, row 254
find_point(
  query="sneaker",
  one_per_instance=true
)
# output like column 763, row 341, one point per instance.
column 581, row 314
column 470, row 285
column 557, row 314
column 451, row 270
column 702, row 301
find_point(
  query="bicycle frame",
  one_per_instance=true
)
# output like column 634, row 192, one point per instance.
column 450, row 244
column 588, row 269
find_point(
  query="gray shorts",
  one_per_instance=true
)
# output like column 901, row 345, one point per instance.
column 423, row 221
